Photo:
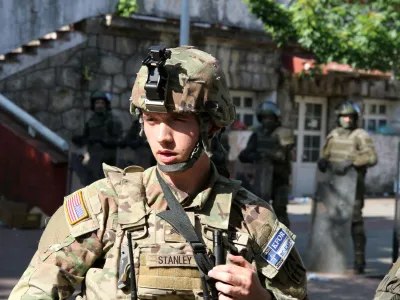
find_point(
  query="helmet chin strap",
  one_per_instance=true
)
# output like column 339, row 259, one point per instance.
column 183, row 166
column 200, row 147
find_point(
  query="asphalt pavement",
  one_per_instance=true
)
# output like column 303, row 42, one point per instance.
column 18, row 246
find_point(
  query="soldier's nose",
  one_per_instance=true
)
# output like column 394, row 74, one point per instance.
column 164, row 134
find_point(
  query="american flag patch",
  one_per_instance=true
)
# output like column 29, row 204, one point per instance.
column 75, row 208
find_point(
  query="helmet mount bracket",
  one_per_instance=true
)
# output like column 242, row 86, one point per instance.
column 157, row 78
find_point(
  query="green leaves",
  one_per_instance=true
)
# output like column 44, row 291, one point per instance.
column 364, row 34
column 126, row 8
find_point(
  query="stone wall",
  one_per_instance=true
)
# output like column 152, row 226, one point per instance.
column 57, row 90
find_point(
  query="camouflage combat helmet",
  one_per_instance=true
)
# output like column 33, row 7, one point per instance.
column 100, row 95
column 194, row 83
column 267, row 108
column 347, row 108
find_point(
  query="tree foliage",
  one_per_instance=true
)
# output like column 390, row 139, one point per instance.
column 364, row 34
column 126, row 8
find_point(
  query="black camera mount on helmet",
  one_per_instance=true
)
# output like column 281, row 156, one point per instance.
column 157, row 78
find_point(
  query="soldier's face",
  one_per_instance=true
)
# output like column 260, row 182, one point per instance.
column 171, row 136
column 100, row 105
column 346, row 121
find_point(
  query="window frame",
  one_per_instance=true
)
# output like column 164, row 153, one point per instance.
column 242, row 110
column 376, row 117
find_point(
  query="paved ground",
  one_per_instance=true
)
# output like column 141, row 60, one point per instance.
column 18, row 246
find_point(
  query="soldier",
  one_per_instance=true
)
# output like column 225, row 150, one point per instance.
column 348, row 146
column 101, row 137
column 271, row 144
column 116, row 236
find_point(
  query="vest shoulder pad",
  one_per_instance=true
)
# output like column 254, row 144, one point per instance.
column 129, row 188
column 285, row 135
column 361, row 134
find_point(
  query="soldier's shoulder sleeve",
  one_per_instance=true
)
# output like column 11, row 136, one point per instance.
column 389, row 287
column 286, row 136
column 74, row 238
column 366, row 154
column 275, row 256
column 91, row 208
column 362, row 135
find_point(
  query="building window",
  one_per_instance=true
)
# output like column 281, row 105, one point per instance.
column 311, row 148
column 376, row 114
column 246, row 104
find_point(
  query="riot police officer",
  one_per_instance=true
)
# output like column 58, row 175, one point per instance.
column 349, row 146
column 270, row 147
column 101, row 136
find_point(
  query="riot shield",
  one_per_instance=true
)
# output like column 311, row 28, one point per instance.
column 332, row 213
column 263, row 179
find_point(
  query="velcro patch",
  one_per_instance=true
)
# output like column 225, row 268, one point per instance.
column 278, row 249
column 170, row 260
column 75, row 208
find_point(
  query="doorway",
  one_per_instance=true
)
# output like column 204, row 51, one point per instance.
column 310, row 137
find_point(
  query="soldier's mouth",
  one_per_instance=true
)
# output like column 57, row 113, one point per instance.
column 167, row 156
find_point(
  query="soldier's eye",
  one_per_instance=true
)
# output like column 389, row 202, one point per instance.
column 180, row 119
column 148, row 118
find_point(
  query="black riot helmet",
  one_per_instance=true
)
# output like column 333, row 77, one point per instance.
column 100, row 95
column 268, row 109
column 349, row 109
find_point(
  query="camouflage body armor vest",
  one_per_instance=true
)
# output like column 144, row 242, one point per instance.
column 164, row 263
column 342, row 144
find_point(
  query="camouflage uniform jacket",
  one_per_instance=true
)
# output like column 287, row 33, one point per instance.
column 354, row 145
column 389, row 287
column 85, row 242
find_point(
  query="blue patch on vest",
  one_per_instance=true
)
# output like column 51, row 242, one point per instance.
column 278, row 249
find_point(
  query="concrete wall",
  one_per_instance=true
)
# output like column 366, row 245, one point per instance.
column 233, row 13
column 22, row 21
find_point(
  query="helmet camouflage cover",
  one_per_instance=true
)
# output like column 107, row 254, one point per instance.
column 195, row 84
column 347, row 108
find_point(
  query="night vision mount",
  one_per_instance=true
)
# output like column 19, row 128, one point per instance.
column 157, row 79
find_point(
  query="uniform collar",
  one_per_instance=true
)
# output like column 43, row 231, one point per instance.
column 345, row 131
column 155, row 196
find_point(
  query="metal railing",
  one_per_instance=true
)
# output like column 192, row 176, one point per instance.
column 34, row 126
